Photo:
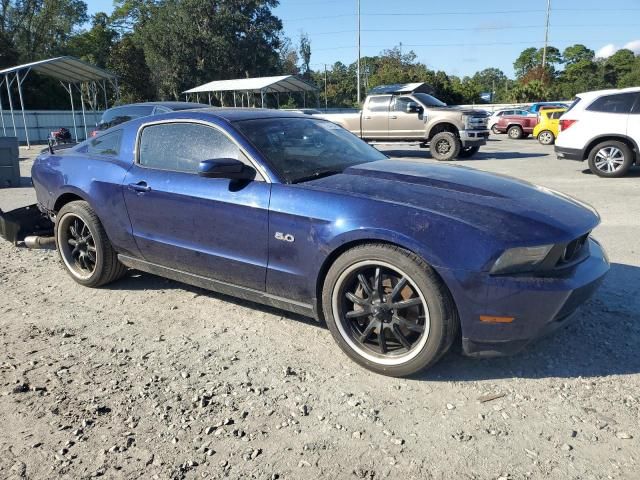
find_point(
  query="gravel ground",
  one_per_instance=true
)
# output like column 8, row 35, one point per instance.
column 148, row 378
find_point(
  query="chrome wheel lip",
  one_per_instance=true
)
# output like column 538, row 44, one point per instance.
column 609, row 159
column 63, row 237
column 379, row 360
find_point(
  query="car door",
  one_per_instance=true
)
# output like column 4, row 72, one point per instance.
column 212, row 227
column 633, row 123
column 375, row 117
column 403, row 124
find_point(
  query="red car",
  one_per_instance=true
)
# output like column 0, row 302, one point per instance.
column 517, row 126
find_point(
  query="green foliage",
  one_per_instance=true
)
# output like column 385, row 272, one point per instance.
column 127, row 61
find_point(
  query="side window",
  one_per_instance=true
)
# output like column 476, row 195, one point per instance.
column 400, row 104
column 379, row 103
column 181, row 146
column 618, row 103
column 107, row 144
column 636, row 108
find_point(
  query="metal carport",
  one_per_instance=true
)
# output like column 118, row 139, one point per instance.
column 261, row 85
column 71, row 72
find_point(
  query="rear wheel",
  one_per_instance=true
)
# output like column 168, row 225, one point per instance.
column 610, row 159
column 445, row 146
column 388, row 310
column 515, row 132
column 84, row 248
column 468, row 152
column 546, row 137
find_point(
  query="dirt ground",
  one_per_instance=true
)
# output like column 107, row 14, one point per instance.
column 149, row 378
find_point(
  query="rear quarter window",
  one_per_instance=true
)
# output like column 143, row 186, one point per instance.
column 617, row 103
column 116, row 116
column 107, row 144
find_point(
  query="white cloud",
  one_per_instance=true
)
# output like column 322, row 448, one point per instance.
column 606, row 51
column 634, row 46
column 609, row 49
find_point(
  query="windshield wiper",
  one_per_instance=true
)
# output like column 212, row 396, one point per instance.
column 318, row 174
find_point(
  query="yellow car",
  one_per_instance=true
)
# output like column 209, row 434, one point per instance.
column 546, row 130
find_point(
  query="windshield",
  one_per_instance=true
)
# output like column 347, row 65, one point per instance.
column 429, row 101
column 304, row 149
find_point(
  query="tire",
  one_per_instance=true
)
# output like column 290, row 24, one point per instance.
column 83, row 246
column 494, row 129
column 610, row 159
column 546, row 137
column 429, row 325
column 444, row 146
column 468, row 152
column 515, row 132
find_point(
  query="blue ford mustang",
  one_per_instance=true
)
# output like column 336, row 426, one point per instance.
column 399, row 258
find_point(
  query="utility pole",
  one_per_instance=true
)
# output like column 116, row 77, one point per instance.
column 326, row 105
column 546, row 40
column 358, row 72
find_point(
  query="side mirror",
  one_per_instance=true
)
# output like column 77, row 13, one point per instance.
column 413, row 107
column 226, row 168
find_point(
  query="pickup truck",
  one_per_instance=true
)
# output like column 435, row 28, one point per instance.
column 516, row 126
column 407, row 113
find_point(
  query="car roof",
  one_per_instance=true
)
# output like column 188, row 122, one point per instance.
column 608, row 91
column 168, row 104
column 239, row 114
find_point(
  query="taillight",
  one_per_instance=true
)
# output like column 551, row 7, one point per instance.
column 93, row 133
column 564, row 124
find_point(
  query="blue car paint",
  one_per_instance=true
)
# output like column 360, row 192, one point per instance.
column 459, row 220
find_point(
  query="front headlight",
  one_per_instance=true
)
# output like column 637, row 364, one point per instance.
column 520, row 259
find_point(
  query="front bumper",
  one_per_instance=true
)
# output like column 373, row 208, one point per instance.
column 473, row 138
column 564, row 153
column 539, row 305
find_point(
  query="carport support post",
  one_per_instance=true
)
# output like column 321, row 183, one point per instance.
column 84, row 118
column 234, row 98
column 13, row 119
column 73, row 113
column 24, row 117
column 4, row 128
column 262, row 97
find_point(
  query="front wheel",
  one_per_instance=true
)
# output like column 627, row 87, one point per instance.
column 610, row 159
column 388, row 310
column 495, row 130
column 84, row 248
column 468, row 152
column 445, row 146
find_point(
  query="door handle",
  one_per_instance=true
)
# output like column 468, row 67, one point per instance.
column 393, row 117
column 367, row 118
column 139, row 187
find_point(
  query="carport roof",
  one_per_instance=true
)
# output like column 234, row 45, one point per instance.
column 282, row 83
column 66, row 69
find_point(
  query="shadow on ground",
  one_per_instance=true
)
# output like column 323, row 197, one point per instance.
column 424, row 154
column 633, row 172
column 603, row 339
column 145, row 281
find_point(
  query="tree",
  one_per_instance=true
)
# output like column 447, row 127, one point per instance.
column 305, row 54
column 127, row 61
column 189, row 42
column 618, row 65
column 533, row 91
column 525, row 62
column 288, row 57
column 94, row 45
column 580, row 73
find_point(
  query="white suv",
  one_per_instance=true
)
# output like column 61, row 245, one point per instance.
column 602, row 127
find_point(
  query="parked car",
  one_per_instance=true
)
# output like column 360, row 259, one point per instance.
column 406, row 113
column 295, row 212
column 536, row 107
column 602, row 127
column 495, row 116
column 546, row 130
column 516, row 126
column 124, row 113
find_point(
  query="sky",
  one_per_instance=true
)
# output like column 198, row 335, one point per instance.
column 459, row 38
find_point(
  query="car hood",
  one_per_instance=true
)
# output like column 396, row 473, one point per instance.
column 454, row 109
column 515, row 211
